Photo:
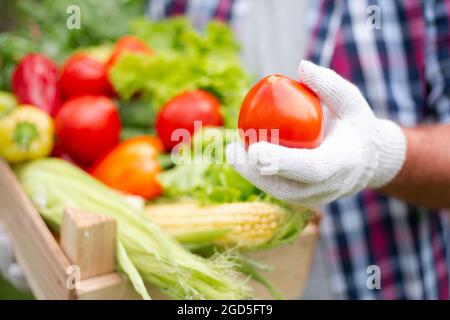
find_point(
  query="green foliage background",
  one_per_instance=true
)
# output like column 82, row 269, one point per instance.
column 40, row 26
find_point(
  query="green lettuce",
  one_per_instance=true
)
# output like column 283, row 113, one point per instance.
column 137, row 117
column 185, row 60
column 202, row 174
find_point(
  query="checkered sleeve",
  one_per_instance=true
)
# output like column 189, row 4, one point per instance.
column 437, row 17
column 200, row 12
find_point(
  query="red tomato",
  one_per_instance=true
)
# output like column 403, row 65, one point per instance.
column 132, row 167
column 82, row 74
column 59, row 152
column 278, row 102
column 87, row 127
column 183, row 110
column 129, row 44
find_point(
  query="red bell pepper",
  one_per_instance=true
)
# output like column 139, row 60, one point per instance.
column 35, row 82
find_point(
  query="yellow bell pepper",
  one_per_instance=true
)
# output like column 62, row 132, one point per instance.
column 26, row 133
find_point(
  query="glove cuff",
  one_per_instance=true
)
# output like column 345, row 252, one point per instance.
column 391, row 153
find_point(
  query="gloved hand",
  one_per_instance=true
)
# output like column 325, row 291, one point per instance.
column 9, row 269
column 359, row 150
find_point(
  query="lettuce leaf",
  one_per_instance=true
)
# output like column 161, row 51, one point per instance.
column 185, row 60
column 203, row 174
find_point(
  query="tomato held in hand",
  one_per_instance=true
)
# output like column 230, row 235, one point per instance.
column 87, row 127
column 132, row 167
column 183, row 110
column 129, row 44
column 278, row 102
column 83, row 74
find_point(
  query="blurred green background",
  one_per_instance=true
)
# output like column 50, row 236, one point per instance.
column 40, row 26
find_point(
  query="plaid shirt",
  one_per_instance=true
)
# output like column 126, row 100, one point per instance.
column 403, row 70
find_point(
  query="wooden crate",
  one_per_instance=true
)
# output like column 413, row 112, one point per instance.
column 50, row 272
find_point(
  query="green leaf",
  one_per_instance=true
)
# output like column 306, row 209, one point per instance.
column 184, row 60
column 204, row 174
column 250, row 267
column 201, row 237
column 127, row 267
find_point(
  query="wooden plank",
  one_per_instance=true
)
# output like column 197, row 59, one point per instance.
column 42, row 260
column 111, row 286
column 291, row 264
column 89, row 241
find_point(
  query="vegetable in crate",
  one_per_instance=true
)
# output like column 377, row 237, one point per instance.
column 137, row 116
column 84, row 74
column 246, row 225
column 214, row 184
column 145, row 253
column 181, row 113
column 101, row 53
column 26, row 133
column 132, row 167
column 35, row 82
column 184, row 60
column 280, row 103
column 214, row 208
column 7, row 102
column 210, row 180
column 129, row 44
column 87, row 127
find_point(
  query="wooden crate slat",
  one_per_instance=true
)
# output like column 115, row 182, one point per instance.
column 89, row 241
column 291, row 263
column 42, row 260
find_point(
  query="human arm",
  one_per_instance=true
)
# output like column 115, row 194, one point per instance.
column 425, row 176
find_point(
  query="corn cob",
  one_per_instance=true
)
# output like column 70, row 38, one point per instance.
column 248, row 224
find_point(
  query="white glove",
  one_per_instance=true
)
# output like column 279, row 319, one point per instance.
column 358, row 151
column 9, row 269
